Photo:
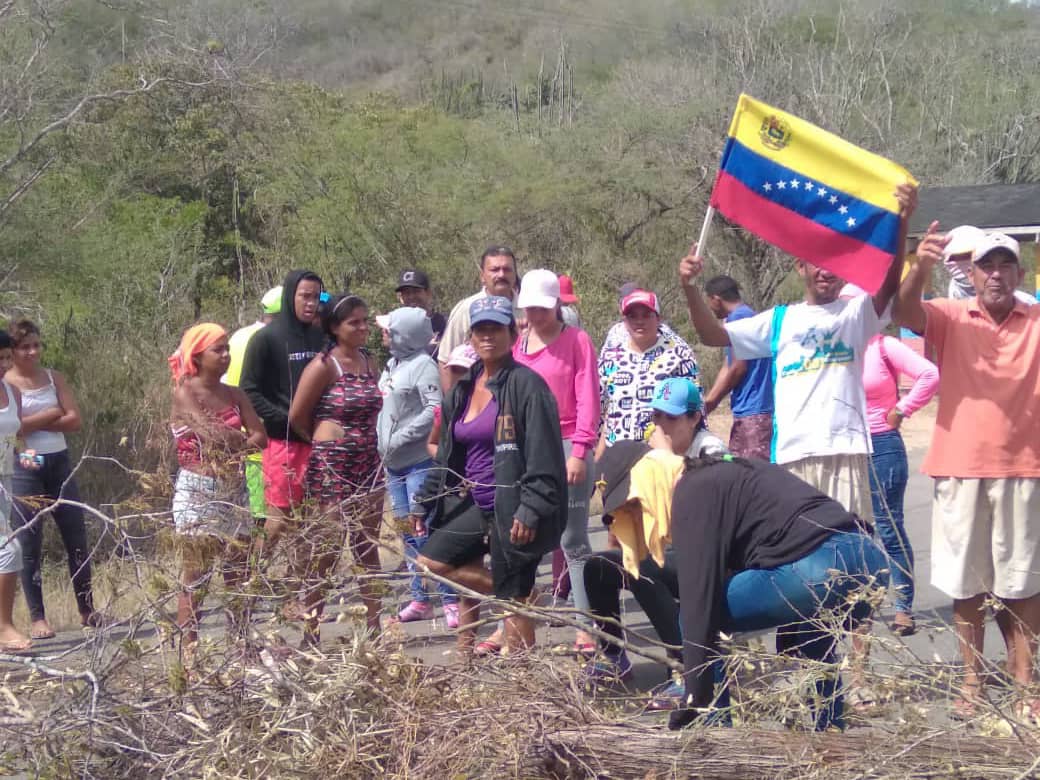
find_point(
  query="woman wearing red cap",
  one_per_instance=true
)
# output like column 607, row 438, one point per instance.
column 629, row 370
column 569, row 302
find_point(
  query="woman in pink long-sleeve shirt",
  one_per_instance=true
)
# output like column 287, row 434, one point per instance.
column 886, row 358
column 565, row 358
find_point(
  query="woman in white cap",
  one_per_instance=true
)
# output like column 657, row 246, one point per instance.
column 565, row 358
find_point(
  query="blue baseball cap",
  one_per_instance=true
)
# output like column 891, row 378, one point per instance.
column 677, row 396
column 492, row 308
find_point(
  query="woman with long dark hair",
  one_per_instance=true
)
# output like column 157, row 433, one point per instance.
column 49, row 411
column 11, row 639
column 335, row 408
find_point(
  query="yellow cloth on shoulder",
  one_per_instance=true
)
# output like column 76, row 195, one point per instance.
column 643, row 524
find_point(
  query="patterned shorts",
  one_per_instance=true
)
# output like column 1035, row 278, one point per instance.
column 752, row 436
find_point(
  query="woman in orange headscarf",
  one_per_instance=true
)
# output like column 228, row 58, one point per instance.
column 213, row 426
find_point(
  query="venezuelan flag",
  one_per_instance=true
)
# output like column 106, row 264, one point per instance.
column 810, row 193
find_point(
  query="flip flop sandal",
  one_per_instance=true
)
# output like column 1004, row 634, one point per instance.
column 903, row 629
column 962, row 709
column 1029, row 711
column 16, row 648
column 95, row 620
column 861, row 699
column 585, row 649
column 42, row 634
column 487, row 648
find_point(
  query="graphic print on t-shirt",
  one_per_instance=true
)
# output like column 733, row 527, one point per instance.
column 821, row 407
column 822, row 348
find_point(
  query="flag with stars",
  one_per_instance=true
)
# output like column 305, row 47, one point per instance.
column 810, row 193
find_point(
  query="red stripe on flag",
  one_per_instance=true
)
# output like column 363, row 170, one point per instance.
column 852, row 260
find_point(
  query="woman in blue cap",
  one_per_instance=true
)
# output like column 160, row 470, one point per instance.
column 499, row 482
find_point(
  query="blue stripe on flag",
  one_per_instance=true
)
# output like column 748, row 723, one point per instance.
column 812, row 199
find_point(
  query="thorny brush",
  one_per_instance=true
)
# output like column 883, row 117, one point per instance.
column 121, row 701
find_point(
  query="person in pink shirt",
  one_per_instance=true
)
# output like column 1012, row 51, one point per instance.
column 885, row 359
column 565, row 358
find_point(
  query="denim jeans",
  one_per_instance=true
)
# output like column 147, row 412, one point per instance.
column 791, row 597
column 402, row 485
column 888, row 477
column 575, row 539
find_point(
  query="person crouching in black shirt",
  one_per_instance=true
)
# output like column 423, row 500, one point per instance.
column 759, row 549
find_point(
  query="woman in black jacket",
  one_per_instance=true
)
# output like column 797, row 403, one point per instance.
column 760, row 549
column 499, row 484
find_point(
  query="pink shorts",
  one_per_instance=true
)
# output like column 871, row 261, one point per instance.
column 285, row 464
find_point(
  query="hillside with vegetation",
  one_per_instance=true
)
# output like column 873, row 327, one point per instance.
column 166, row 161
column 162, row 162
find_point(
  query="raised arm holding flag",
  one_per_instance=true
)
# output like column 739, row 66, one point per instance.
column 810, row 193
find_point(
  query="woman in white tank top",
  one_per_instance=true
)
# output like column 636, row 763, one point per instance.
column 49, row 411
column 11, row 639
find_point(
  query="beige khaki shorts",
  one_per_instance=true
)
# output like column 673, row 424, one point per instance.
column 845, row 478
column 986, row 537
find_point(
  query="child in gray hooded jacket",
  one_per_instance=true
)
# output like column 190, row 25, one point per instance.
column 411, row 389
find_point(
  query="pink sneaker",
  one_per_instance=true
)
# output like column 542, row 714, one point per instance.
column 451, row 615
column 416, row 610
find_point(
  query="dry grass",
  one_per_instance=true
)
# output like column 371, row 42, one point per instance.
column 121, row 703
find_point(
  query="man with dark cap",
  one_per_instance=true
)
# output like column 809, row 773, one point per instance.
column 413, row 289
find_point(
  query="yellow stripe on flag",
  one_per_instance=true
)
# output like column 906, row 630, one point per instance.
column 816, row 154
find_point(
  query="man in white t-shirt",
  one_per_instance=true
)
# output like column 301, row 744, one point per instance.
column 817, row 347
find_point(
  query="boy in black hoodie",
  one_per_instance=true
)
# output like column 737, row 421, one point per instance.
column 274, row 360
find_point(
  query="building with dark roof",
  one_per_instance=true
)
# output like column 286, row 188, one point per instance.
column 1013, row 209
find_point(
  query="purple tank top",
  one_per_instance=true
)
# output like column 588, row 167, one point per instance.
column 478, row 437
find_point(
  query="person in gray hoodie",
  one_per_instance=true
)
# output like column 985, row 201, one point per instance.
column 411, row 390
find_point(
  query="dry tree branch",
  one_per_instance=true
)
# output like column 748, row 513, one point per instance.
column 85, row 102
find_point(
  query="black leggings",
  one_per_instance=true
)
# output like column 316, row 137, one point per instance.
column 51, row 481
column 656, row 590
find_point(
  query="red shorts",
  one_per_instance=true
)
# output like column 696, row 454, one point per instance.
column 285, row 464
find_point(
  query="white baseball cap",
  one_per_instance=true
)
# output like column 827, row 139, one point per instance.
column 991, row 243
column 962, row 240
column 539, row 288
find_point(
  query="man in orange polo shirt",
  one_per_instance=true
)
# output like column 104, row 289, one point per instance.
column 985, row 453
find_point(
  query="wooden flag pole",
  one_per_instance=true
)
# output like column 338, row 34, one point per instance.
column 709, row 215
